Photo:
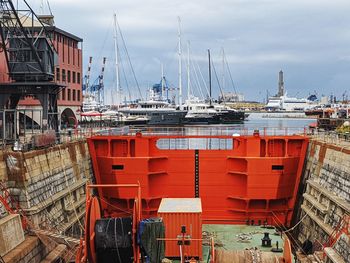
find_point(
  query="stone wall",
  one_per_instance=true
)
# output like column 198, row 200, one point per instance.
column 31, row 250
column 326, row 199
column 49, row 185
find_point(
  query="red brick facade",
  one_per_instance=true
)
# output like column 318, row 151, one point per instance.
column 68, row 71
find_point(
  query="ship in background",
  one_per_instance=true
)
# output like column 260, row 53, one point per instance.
column 157, row 110
column 281, row 102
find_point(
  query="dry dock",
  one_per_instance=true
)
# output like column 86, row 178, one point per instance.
column 48, row 187
column 325, row 199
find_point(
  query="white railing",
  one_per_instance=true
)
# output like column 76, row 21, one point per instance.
column 204, row 131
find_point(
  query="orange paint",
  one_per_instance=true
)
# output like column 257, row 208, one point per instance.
column 174, row 219
column 256, row 179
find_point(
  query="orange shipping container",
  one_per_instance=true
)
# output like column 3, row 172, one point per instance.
column 178, row 212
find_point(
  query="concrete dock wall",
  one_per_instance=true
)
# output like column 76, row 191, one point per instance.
column 49, row 185
column 326, row 199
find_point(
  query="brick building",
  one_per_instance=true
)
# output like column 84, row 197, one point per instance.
column 68, row 72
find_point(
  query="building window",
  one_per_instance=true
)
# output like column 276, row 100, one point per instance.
column 73, row 53
column 64, row 94
column 74, row 76
column 58, row 74
column 63, row 75
column 69, row 41
column 63, row 48
column 78, row 95
column 68, row 76
column 69, row 95
column 78, row 78
column 74, row 94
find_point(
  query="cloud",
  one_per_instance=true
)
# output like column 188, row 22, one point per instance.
column 308, row 39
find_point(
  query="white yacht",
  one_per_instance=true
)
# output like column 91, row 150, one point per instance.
column 156, row 110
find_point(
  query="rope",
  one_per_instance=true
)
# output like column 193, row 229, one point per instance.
column 129, row 60
column 115, row 239
column 217, row 79
column 197, row 80
column 229, row 72
column 281, row 224
column 301, row 220
column 108, row 203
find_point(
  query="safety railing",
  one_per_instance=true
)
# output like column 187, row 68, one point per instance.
column 207, row 130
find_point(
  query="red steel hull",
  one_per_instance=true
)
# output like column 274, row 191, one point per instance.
column 256, row 179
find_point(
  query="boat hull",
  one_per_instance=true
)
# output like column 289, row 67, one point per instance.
column 231, row 117
column 238, row 178
column 167, row 117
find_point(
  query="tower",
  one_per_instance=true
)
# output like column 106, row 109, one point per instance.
column 280, row 84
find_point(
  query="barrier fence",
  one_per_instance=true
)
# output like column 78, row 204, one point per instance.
column 26, row 130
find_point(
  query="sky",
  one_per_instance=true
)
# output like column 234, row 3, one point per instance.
column 308, row 40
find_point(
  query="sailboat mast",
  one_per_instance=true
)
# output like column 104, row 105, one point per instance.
column 209, row 77
column 223, row 70
column 116, row 60
column 162, row 80
column 188, row 71
column 180, row 63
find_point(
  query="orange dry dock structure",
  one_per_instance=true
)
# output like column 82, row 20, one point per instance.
column 237, row 178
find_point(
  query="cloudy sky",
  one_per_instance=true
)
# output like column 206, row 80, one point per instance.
column 308, row 40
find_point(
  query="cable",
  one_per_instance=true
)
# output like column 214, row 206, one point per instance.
column 200, row 73
column 197, row 81
column 217, row 79
column 127, row 54
column 106, row 202
column 126, row 80
column 229, row 72
column 115, row 239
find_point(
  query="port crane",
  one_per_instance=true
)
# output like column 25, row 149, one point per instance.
column 98, row 86
column 86, row 82
column 30, row 58
column 96, row 89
